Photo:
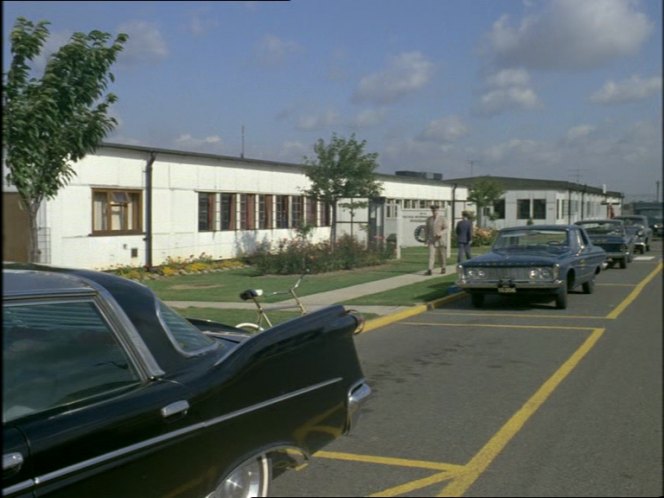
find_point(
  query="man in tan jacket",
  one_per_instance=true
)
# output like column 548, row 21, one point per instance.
column 435, row 237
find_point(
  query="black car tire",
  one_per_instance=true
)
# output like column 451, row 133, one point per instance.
column 252, row 478
column 623, row 263
column 477, row 299
column 589, row 286
column 561, row 298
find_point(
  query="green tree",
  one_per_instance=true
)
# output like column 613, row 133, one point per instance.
column 342, row 170
column 484, row 192
column 52, row 122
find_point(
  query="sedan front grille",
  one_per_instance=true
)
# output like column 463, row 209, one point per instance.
column 511, row 273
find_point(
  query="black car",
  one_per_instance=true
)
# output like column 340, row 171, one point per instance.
column 637, row 225
column 612, row 236
column 109, row 392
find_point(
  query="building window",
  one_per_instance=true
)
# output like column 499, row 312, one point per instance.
column 228, row 211
column 312, row 212
column 116, row 211
column 265, row 212
column 499, row 209
column 297, row 218
column 523, row 209
column 282, row 211
column 539, row 209
column 247, row 211
column 326, row 215
column 205, row 212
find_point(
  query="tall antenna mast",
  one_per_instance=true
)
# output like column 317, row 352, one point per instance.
column 242, row 153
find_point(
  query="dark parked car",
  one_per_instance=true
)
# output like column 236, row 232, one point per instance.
column 637, row 225
column 612, row 236
column 548, row 260
column 109, row 392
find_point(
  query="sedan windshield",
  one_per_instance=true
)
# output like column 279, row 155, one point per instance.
column 531, row 239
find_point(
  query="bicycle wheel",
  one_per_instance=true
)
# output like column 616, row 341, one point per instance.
column 249, row 327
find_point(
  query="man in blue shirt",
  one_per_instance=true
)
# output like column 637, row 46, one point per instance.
column 464, row 233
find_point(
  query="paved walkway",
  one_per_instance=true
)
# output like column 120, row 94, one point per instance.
column 315, row 301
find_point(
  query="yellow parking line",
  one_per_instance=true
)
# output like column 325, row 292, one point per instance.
column 481, row 461
column 400, row 462
column 634, row 294
column 520, row 315
column 493, row 325
column 415, row 485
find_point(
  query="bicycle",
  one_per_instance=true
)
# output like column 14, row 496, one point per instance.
column 257, row 295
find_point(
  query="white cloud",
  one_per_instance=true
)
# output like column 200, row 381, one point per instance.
column 200, row 24
column 579, row 132
column 212, row 144
column 273, row 51
column 570, row 34
column 293, row 151
column 317, row 121
column 368, row 118
column 145, row 43
column 406, row 73
column 507, row 90
column 632, row 89
column 444, row 130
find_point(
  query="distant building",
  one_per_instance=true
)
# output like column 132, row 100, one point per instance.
column 138, row 206
column 420, row 174
column 545, row 201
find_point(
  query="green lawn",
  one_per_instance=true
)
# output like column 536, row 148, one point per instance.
column 226, row 286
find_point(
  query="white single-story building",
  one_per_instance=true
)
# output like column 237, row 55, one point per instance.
column 139, row 206
column 526, row 201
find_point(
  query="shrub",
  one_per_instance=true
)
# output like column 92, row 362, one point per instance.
column 298, row 255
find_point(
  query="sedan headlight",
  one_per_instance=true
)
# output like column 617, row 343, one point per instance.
column 475, row 273
column 545, row 273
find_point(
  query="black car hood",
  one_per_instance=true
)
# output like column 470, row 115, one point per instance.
column 516, row 258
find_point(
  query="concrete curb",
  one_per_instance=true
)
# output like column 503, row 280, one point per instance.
column 384, row 320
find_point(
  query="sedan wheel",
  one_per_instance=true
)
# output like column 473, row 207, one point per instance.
column 252, row 478
column 623, row 263
column 589, row 286
column 561, row 298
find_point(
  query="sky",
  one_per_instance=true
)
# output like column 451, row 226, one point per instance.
column 565, row 90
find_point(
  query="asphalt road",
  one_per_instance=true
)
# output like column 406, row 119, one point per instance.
column 514, row 399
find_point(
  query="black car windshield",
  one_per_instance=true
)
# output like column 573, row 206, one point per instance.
column 531, row 239
column 603, row 227
column 632, row 221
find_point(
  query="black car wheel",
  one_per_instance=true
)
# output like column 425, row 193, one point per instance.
column 252, row 478
column 477, row 299
column 561, row 298
column 623, row 263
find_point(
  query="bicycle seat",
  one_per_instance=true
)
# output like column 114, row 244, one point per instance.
column 251, row 294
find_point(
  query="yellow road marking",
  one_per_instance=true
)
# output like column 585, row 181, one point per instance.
column 634, row 294
column 519, row 315
column 415, row 485
column 400, row 462
column 497, row 443
column 493, row 325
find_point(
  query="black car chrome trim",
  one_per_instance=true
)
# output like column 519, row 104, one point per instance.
column 12, row 461
column 175, row 408
column 185, row 430
column 357, row 396
column 21, row 486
